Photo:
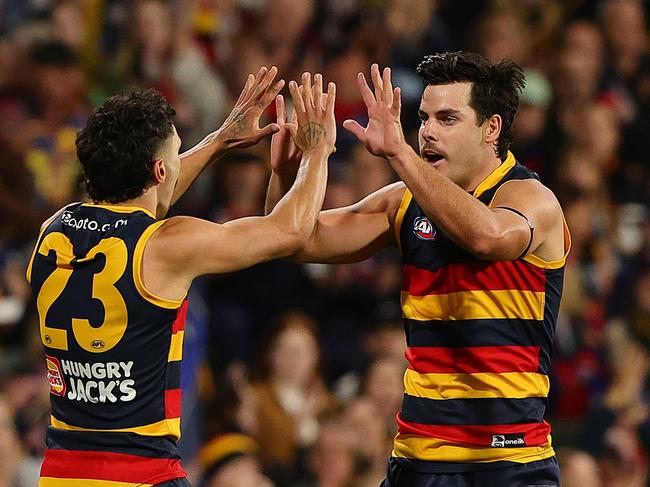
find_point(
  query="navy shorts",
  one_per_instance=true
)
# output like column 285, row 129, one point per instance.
column 543, row 473
column 182, row 482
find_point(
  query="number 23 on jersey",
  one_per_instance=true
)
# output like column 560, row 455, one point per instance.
column 94, row 339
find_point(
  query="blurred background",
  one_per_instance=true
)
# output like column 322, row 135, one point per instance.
column 292, row 373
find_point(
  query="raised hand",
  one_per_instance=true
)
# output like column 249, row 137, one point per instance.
column 285, row 156
column 315, row 126
column 383, row 136
column 242, row 127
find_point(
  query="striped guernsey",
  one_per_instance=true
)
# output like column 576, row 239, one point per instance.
column 113, row 352
column 479, row 339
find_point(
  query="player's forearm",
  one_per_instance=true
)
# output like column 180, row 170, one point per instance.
column 298, row 209
column 463, row 218
column 278, row 186
column 195, row 160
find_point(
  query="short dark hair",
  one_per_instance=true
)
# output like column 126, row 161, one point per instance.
column 118, row 145
column 495, row 87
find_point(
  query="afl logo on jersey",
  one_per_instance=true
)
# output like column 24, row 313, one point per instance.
column 55, row 376
column 423, row 228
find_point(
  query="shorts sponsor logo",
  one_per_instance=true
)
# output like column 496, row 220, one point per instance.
column 55, row 376
column 508, row 441
column 423, row 229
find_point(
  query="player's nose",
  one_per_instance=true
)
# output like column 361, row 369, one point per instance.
column 428, row 130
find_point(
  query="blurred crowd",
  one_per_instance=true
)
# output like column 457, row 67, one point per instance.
column 292, row 373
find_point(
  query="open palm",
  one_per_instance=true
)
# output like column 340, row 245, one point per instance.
column 241, row 128
column 383, row 136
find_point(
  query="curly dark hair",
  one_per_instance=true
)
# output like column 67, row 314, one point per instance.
column 118, row 145
column 495, row 87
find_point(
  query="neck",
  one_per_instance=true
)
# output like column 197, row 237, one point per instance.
column 147, row 200
column 488, row 163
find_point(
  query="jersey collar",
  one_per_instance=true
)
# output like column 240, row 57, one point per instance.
column 120, row 208
column 495, row 176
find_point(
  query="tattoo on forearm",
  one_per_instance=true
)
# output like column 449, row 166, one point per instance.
column 311, row 134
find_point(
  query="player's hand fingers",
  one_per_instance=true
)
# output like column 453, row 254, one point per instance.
column 307, row 92
column 298, row 103
column 245, row 92
column 387, row 87
column 267, row 130
column 396, row 109
column 264, row 82
column 280, row 110
column 376, row 81
column 331, row 98
column 354, row 127
column 317, row 92
column 366, row 93
column 270, row 94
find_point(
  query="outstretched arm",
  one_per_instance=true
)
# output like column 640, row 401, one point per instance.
column 186, row 247
column 491, row 233
column 285, row 158
column 240, row 129
column 341, row 235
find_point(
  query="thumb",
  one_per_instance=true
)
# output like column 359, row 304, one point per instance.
column 354, row 127
column 270, row 129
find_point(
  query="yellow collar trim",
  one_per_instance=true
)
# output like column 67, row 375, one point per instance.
column 495, row 176
column 121, row 208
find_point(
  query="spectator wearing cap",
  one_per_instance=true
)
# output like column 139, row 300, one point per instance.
column 230, row 460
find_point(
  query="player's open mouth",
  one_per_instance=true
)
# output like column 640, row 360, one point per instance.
column 432, row 157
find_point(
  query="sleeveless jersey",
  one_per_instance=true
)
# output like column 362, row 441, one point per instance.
column 479, row 340
column 113, row 351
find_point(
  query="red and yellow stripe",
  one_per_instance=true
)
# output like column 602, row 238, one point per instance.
column 439, row 360
column 475, row 305
column 512, row 385
column 173, row 397
column 474, row 276
column 70, row 468
column 479, row 290
column 476, row 435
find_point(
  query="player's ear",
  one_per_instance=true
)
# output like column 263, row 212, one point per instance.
column 493, row 129
column 158, row 171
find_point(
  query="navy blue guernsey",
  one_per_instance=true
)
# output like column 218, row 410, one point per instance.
column 113, row 351
column 479, row 338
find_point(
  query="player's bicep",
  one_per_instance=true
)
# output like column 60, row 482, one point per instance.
column 344, row 235
column 525, row 212
column 356, row 232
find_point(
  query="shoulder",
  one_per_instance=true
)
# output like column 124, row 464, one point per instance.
column 177, row 226
column 57, row 214
column 531, row 197
column 529, row 191
column 175, row 236
column 395, row 191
